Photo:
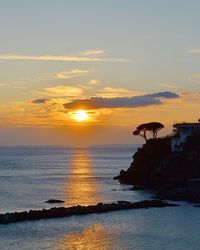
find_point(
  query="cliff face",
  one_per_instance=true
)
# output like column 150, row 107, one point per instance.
column 154, row 165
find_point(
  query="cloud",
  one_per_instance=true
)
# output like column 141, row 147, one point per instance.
column 120, row 102
column 63, row 91
column 88, row 57
column 55, row 96
column 194, row 78
column 20, row 87
column 99, row 52
column 164, row 94
column 50, row 58
column 39, row 101
column 93, row 82
column 71, row 74
column 167, row 86
column 110, row 92
column 194, row 51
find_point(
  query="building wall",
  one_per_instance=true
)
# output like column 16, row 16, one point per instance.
column 182, row 132
column 178, row 141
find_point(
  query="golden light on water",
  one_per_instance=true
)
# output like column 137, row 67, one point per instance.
column 94, row 237
column 81, row 187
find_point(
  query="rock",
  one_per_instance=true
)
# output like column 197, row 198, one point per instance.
column 54, row 201
column 173, row 175
column 194, row 189
column 57, row 212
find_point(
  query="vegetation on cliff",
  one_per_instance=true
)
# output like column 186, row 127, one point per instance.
column 152, row 127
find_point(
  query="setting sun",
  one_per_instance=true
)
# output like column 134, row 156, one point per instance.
column 81, row 115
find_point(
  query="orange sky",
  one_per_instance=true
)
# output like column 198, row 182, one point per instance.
column 122, row 64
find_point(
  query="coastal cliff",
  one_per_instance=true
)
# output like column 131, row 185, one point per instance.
column 145, row 169
column 155, row 166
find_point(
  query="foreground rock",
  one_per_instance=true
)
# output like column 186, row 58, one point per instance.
column 79, row 210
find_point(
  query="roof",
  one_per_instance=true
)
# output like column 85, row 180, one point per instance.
column 185, row 125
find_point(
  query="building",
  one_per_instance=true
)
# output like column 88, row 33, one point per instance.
column 182, row 131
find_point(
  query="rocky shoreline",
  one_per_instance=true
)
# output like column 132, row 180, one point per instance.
column 173, row 175
column 58, row 212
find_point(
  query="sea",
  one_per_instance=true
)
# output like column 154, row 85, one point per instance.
column 83, row 175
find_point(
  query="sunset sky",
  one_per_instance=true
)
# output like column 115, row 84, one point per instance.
column 121, row 62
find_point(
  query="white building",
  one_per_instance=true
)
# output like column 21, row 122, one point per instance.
column 182, row 131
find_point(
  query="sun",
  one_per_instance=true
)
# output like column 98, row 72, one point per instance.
column 81, row 115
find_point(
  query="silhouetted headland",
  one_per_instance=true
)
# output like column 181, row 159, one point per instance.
column 170, row 165
column 58, row 212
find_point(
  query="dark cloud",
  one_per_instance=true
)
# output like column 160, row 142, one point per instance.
column 39, row 101
column 165, row 94
column 120, row 102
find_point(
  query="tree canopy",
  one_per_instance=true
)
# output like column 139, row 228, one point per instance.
column 152, row 127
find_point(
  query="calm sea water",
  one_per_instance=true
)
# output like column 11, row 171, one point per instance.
column 83, row 175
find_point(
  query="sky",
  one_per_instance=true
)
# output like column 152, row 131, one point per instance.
column 122, row 62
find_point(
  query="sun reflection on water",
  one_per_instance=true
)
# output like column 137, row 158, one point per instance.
column 95, row 237
column 81, row 187
column 90, row 239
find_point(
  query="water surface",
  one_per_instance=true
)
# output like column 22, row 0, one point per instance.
column 83, row 175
